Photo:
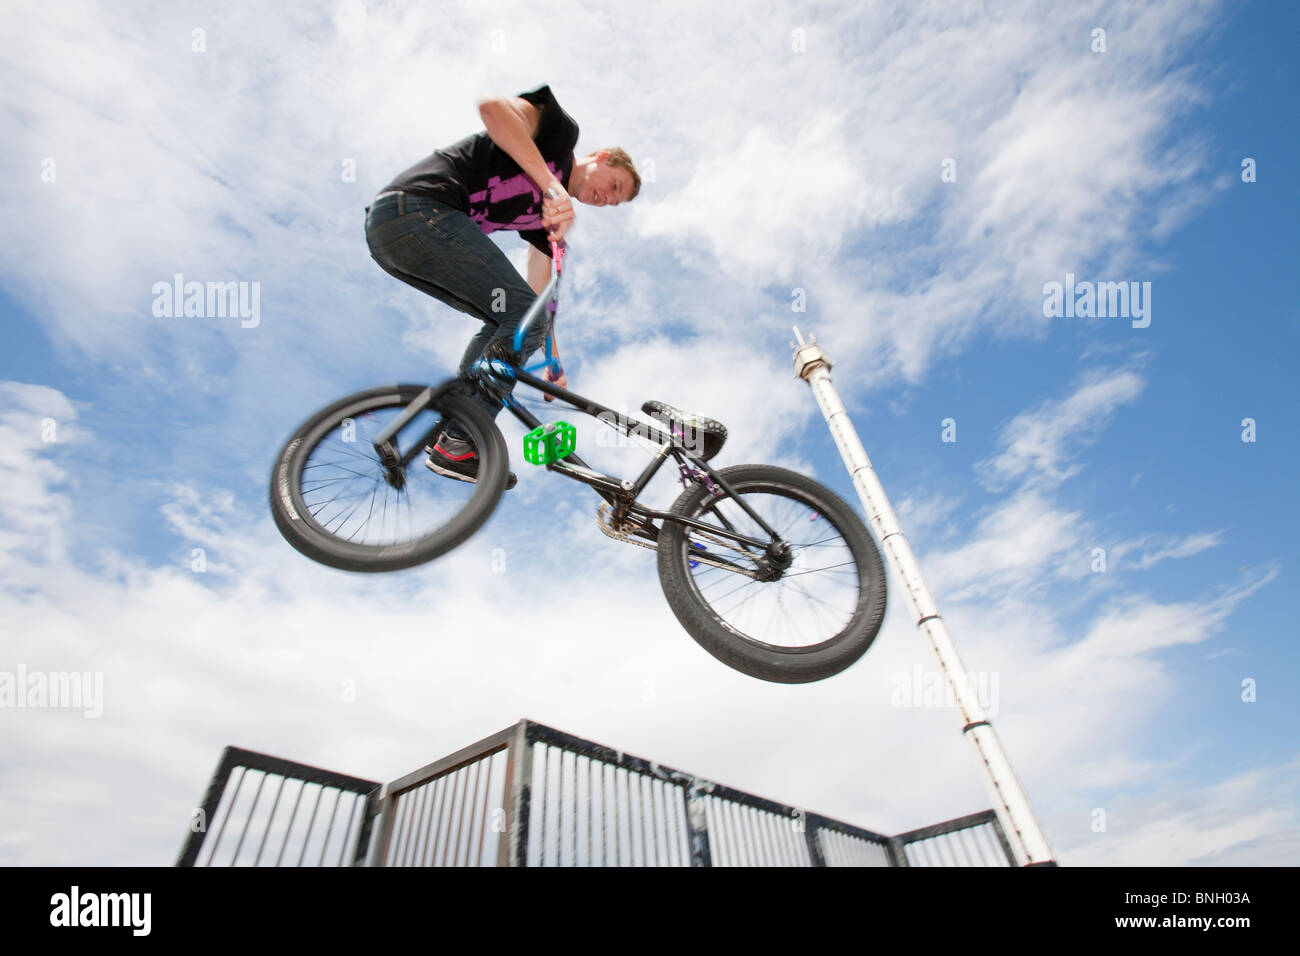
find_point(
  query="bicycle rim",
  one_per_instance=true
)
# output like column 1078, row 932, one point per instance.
column 342, row 493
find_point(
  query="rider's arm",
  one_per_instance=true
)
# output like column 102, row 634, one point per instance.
column 512, row 123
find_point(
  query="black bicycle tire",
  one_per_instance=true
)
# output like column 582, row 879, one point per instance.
column 287, row 506
column 796, row 665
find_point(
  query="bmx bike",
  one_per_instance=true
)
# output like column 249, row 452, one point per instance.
column 769, row 571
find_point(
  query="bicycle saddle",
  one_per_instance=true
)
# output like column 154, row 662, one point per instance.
column 695, row 427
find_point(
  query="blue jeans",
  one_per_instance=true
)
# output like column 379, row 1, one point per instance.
column 439, row 250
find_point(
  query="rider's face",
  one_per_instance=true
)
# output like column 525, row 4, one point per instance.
column 605, row 185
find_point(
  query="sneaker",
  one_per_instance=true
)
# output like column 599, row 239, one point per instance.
column 457, row 459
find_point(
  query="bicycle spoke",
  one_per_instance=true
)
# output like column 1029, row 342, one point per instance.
column 808, row 604
column 368, row 514
column 821, row 543
column 844, row 564
column 814, row 600
column 347, row 493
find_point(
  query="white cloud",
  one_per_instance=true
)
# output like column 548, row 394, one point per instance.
column 1246, row 820
column 1038, row 444
column 1150, row 550
column 774, row 169
column 33, row 420
column 255, row 652
column 773, row 191
column 1135, row 626
column 820, row 171
column 1012, row 545
column 928, row 514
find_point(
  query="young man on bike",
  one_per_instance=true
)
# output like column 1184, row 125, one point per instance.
column 429, row 228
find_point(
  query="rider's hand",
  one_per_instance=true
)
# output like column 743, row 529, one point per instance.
column 557, row 211
column 559, row 379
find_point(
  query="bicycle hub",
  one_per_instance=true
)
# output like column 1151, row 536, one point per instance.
column 775, row 561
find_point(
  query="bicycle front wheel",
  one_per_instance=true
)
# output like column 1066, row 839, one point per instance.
column 812, row 621
column 335, row 502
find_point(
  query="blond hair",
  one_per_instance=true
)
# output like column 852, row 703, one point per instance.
column 619, row 159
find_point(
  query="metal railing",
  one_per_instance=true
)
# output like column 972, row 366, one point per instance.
column 449, row 813
column 299, row 815
column 976, row 840
column 531, row 795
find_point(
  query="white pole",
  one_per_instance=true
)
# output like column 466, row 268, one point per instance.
column 1009, row 800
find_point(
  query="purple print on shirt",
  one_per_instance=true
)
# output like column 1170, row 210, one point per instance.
column 503, row 204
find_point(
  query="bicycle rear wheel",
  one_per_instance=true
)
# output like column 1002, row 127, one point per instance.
column 335, row 502
column 814, row 620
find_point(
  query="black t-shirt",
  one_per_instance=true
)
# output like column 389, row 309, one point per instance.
column 479, row 178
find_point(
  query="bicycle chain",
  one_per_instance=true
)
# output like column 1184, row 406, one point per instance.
column 606, row 524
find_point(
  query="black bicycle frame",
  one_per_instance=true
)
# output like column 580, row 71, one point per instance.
column 620, row 494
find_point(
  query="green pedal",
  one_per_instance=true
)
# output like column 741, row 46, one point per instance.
column 549, row 443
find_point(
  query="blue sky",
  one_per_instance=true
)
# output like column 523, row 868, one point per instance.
column 1118, row 690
